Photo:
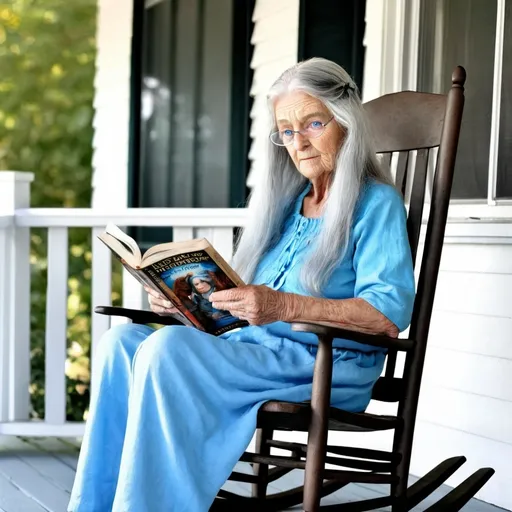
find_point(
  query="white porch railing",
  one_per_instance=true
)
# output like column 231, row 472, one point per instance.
column 16, row 220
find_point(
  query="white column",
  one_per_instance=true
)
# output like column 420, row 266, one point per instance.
column 112, row 104
column 15, row 299
column 111, row 134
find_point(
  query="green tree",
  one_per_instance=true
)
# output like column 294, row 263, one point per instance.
column 47, row 51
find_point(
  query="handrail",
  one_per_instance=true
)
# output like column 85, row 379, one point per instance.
column 206, row 217
column 147, row 217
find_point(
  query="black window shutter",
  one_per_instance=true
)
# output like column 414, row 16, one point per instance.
column 190, row 106
column 333, row 29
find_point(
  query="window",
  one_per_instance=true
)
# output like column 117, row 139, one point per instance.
column 504, row 181
column 191, row 89
column 466, row 32
column 191, row 79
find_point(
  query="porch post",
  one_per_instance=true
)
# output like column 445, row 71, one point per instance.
column 14, row 299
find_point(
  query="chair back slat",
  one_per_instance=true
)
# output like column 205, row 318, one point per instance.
column 401, row 171
column 386, row 159
column 405, row 121
column 391, row 364
column 417, row 201
column 388, row 390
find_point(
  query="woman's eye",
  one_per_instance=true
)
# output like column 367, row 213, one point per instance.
column 315, row 125
column 287, row 133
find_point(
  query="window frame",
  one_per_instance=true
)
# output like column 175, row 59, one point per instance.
column 398, row 70
column 496, row 108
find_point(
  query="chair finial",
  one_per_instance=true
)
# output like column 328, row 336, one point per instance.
column 458, row 77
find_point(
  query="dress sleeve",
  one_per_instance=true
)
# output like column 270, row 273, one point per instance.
column 382, row 256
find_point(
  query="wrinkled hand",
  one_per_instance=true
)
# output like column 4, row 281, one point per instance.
column 258, row 305
column 159, row 304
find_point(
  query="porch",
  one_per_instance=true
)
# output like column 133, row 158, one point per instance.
column 38, row 457
column 36, row 475
column 16, row 221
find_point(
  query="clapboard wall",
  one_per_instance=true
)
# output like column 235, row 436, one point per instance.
column 275, row 39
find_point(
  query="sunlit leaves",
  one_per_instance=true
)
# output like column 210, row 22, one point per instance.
column 47, row 51
column 56, row 70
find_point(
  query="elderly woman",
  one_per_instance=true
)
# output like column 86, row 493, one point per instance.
column 173, row 409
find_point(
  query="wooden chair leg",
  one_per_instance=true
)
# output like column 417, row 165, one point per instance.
column 259, row 490
column 318, row 428
column 399, row 490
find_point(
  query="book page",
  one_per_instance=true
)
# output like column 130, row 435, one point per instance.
column 161, row 251
column 126, row 240
column 119, row 249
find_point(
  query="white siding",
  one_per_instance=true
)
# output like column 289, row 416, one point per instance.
column 466, row 399
column 275, row 38
column 112, row 104
column 466, row 402
column 373, row 43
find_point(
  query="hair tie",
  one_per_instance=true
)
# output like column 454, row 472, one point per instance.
column 345, row 90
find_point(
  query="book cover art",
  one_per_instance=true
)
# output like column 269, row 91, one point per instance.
column 193, row 277
column 145, row 280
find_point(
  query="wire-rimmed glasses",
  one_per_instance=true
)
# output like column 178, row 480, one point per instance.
column 312, row 131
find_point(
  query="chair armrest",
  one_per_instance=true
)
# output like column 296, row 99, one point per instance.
column 376, row 340
column 137, row 316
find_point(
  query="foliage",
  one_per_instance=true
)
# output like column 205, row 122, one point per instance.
column 47, row 50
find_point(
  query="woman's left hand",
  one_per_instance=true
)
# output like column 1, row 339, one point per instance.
column 255, row 303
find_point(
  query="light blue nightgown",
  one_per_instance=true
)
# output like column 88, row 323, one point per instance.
column 172, row 410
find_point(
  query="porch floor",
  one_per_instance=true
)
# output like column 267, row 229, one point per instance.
column 36, row 475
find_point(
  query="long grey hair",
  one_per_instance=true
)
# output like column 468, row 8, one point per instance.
column 278, row 188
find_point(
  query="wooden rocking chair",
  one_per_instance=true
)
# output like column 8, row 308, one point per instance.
column 402, row 122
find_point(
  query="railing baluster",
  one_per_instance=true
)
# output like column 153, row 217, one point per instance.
column 182, row 234
column 220, row 237
column 16, row 220
column 133, row 298
column 222, row 240
column 101, row 286
column 56, row 324
column 203, row 233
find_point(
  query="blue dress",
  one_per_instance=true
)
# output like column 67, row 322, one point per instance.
column 172, row 410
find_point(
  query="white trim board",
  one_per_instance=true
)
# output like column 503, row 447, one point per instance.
column 34, row 428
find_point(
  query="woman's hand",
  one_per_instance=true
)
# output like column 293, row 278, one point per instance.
column 158, row 303
column 257, row 304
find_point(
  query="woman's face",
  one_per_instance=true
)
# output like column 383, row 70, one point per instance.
column 316, row 156
column 200, row 285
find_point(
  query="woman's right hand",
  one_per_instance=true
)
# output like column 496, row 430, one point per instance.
column 159, row 304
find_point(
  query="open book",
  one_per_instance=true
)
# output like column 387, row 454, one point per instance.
column 186, row 273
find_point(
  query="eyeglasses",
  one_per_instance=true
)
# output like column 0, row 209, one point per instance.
column 312, row 131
